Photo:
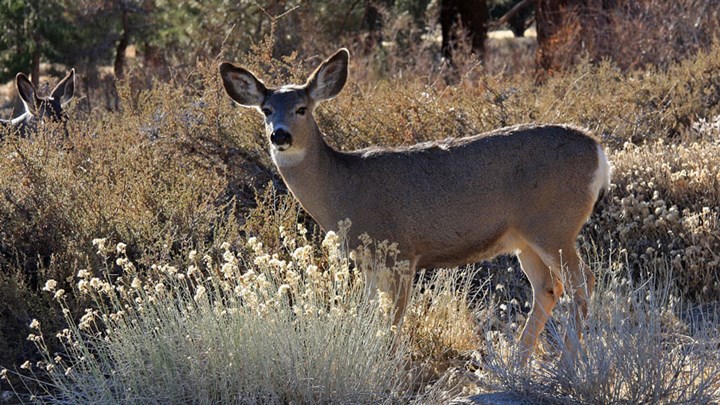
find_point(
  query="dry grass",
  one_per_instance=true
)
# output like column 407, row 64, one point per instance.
column 643, row 344
column 178, row 169
column 248, row 329
column 254, row 328
column 634, row 35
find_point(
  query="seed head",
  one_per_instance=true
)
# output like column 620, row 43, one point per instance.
column 121, row 248
column 50, row 285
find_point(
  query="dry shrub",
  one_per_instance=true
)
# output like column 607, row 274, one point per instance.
column 440, row 325
column 178, row 167
column 510, row 56
column 246, row 329
column 665, row 208
column 636, row 106
column 642, row 344
column 632, row 34
column 256, row 328
column 161, row 175
column 660, row 33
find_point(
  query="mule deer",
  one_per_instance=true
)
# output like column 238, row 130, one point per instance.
column 525, row 189
column 41, row 108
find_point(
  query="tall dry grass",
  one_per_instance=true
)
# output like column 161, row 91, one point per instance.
column 642, row 344
column 178, row 169
column 254, row 328
column 249, row 329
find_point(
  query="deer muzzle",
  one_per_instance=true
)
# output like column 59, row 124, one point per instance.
column 281, row 139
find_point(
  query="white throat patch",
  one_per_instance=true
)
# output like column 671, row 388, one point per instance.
column 287, row 158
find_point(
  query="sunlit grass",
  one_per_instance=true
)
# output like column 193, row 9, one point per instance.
column 255, row 328
column 642, row 344
column 178, row 170
column 251, row 329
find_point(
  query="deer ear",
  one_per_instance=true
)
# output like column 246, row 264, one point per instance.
column 242, row 85
column 330, row 77
column 26, row 90
column 65, row 90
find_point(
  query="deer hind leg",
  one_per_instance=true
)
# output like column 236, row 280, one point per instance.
column 546, row 289
column 581, row 282
column 578, row 279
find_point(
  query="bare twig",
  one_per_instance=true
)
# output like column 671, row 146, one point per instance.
column 518, row 7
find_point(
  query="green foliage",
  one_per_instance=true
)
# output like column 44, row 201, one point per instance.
column 417, row 9
column 14, row 44
column 28, row 27
column 59, row 31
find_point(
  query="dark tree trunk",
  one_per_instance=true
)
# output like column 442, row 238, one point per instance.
column 372, row 23
column 516, row 16
column 549, row 19
column 119, row 65
column 469, row 16
column 517, row 25
column 35, row 61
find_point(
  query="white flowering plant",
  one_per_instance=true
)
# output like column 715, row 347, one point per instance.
column 234, row 331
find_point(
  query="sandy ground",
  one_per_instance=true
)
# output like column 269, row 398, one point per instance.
column 503, row 34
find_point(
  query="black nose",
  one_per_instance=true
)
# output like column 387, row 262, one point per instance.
column 281, row 137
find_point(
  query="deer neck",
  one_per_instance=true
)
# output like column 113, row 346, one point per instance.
column 310, row 175
column 24, row 123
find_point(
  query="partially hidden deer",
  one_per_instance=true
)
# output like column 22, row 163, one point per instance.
column 39, row 108
column 525, row 189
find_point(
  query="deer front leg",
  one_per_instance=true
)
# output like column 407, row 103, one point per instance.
column 395, row 283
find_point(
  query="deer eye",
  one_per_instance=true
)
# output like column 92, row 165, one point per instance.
column 267, row 111
column 301, row 111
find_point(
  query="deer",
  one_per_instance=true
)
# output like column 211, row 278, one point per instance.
column 525, row 189
column 38, row 108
